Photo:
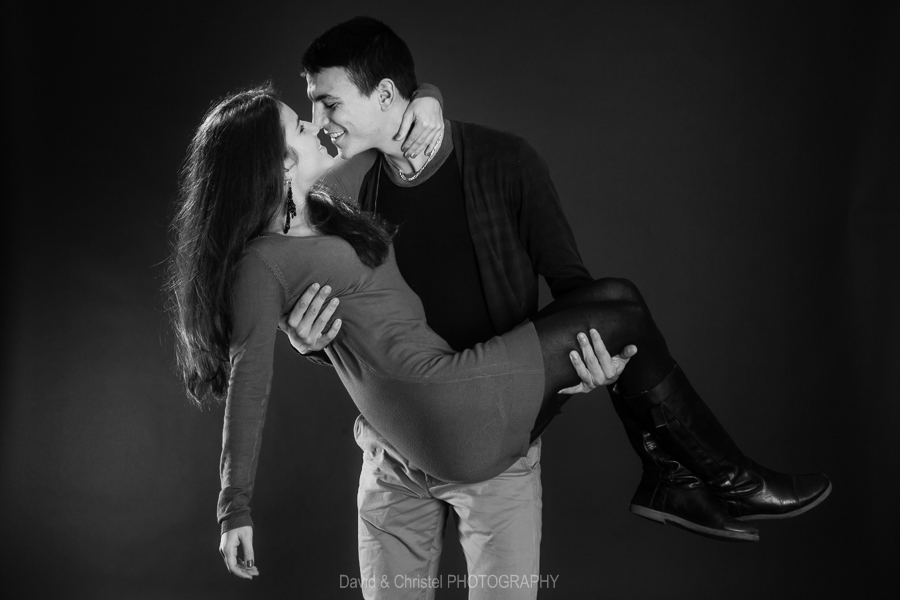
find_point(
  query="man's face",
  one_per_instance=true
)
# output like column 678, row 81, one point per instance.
column 354, row 122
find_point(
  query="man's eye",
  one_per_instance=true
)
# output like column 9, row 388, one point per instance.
column 330, row 106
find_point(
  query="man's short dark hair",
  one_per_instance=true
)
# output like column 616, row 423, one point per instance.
column 369, row 50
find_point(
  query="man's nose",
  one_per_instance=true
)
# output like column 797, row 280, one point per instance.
column 318, row 117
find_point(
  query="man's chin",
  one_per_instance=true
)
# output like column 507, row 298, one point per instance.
column 351, row 150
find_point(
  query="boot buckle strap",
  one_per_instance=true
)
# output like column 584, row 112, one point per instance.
column 661, row 418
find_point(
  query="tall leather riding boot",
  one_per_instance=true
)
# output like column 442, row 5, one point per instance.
column 669, row 493
column 687, row 428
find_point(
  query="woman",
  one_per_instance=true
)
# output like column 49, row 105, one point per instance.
column 253, row 234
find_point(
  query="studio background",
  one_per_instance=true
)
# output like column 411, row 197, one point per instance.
column 738, row 162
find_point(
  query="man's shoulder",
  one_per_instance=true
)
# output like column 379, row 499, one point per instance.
column 491, row 146
column 489, row 135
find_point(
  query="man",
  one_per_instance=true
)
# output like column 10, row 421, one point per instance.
column 479, row 219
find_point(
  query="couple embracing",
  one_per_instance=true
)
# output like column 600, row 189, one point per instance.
column 410, row 264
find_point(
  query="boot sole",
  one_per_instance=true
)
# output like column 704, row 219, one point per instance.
column 716, row 534
column 790, row 515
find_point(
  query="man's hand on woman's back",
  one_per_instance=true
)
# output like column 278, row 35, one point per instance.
column 309, row 318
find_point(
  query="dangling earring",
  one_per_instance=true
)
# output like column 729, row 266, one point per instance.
column 290, row 209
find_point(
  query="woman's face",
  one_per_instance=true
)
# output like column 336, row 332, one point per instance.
column 312, row 157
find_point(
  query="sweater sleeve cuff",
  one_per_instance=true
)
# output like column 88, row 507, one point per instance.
column 242, row 520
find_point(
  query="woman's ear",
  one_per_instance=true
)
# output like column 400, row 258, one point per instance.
column 290, row 161
column 290, row 165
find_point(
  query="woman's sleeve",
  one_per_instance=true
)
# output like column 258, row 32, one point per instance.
column 426, row 90
column 259, row 298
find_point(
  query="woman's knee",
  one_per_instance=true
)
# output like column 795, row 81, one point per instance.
column 618, row 289
column 634, row 319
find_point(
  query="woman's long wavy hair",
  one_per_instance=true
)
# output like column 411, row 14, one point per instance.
column 232, row 190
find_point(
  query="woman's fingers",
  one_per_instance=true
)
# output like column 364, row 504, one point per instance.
column 246, row 537
column 422, row 123
column 405, row 123
column 228, row 547
column 223, row 551
column 424, row 137
column 419, row 138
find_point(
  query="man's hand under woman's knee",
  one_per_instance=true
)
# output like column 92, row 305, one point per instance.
column 596, row 367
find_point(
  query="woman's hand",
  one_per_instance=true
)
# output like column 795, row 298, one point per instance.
column 228, row 548
column 428, row 117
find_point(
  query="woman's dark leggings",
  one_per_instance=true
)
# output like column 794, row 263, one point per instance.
column 616, row 309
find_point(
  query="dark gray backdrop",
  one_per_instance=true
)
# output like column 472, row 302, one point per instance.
column 738, row 162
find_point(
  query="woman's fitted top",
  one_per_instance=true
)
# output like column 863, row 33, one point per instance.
column 463, row 416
